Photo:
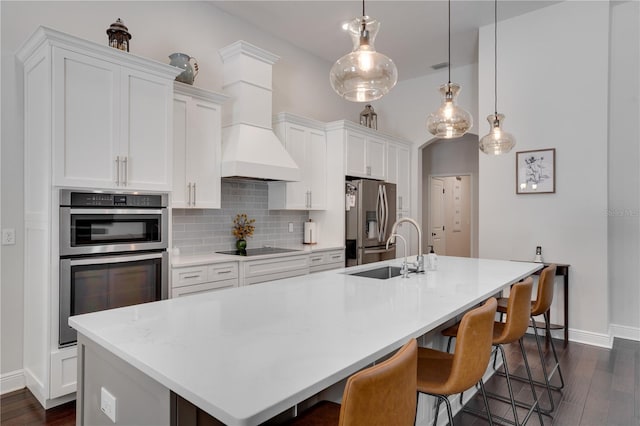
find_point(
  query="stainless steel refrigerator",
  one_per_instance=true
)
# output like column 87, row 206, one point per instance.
column 371, row 212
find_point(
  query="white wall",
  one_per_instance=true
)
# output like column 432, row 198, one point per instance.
column 159, row 28
column 553, row 89
column 404, row 112
column 624, row 184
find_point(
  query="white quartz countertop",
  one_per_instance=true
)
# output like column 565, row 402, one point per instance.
column 205, row 259
column 245, row 354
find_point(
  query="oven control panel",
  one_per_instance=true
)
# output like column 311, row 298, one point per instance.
column 101, row 199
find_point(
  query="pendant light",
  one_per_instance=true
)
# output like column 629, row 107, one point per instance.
column 363, row 75
column 450, row 120
column 497, row 141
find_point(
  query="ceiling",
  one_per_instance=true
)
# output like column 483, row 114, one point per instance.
column 412, row 33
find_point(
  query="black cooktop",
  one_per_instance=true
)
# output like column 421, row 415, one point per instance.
column 257, row 251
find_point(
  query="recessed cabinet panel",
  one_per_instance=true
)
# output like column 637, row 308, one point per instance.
column 196, row 147
column 376, row 161
column 403, row 187
column 308, row 148
column 355, row 150
column 146, row 143
column 85, row 119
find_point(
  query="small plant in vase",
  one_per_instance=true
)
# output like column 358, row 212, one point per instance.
column 242, row 228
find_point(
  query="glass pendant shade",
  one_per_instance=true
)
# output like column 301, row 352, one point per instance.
column 497, row 141
column 450, row 120
column 363, row 75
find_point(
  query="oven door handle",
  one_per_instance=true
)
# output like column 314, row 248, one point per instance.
column 115, row 211
column 114, row 259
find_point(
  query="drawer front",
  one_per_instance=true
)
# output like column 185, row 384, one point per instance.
column 189, row 276
column 335, row 256
column 317, row 259
column 223, row 271
column 201, row 288
column 272, row 269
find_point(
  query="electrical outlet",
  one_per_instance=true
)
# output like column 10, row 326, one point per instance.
column 108, row 404
column 290, row 226
column 8, row 237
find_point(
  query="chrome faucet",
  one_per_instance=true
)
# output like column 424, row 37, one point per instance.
column 404, row 269
column 420, row 258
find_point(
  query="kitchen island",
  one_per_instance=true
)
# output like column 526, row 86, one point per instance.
column 246, row 354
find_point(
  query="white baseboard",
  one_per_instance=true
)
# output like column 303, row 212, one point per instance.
column 625, row 332
column 12, row 381
column 590, row 338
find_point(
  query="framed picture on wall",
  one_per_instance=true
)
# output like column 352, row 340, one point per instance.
column 536, row 171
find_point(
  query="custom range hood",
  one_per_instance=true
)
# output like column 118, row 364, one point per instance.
column 250, row 149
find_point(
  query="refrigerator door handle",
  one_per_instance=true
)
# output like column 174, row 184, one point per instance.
column 385, row 222
column 378, row 212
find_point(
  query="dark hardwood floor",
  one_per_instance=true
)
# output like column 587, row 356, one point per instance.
column 602, row 387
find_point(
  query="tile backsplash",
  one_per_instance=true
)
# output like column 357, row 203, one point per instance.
column 200, row 231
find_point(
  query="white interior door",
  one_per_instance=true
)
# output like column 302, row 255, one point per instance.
column 436, row 216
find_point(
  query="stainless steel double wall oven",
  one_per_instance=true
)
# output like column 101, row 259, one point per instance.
column 113, row 252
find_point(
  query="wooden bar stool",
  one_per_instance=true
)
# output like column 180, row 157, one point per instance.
column 383, row 395
column 441, row 374
column 541, row 306
column 511, row 331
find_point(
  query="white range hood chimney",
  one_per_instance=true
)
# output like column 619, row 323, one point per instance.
column 250, row 149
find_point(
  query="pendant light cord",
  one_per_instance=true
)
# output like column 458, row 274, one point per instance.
column 495, row 56
column 449, row 59
column 363, row 8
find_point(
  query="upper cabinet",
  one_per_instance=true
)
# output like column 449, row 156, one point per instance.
column 399, row 172
column 196, row 147
column 110, row 115
column 365, row 155
column 305, row 140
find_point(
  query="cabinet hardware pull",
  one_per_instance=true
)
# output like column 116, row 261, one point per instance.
column 228, row 271
column 194, row 193
column 336, row 256
column 310, row 199
column 117, row 170
column 368, row 170
column 125, row 182
column 189, row 192
column 191, row 276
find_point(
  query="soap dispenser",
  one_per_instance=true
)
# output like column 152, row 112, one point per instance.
column 432, row 260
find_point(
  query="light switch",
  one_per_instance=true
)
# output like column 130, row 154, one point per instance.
column 108, row 404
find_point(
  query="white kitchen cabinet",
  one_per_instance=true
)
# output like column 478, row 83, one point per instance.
column 326, row 260
column 111, row 119
column 196, row 147
column 399, row 172
column 365, row 154
column 198, row 279
column 305, row 140
column 89, row 112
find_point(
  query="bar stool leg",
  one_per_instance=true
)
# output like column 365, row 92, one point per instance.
column 546, row 383
column 486, row 403
column 536, row 403
column 547, row 322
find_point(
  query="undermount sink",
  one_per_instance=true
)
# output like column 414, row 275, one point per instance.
column 381, row 273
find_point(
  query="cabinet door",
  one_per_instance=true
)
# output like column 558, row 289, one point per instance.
column 317, row 166
column 392, row 164
column 376, row 158
column 86, row 104
column 146, row 130
column 203, row 154
column 403, row 165
column 355, row 154
column 179, row 196
column 296, row 144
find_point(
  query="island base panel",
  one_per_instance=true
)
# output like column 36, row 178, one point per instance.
column 140, row 400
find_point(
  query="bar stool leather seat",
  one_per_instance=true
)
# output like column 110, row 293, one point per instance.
column 384, row 394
